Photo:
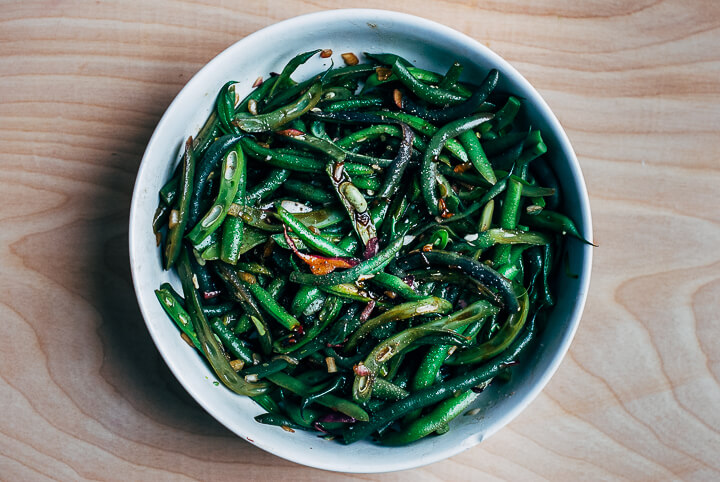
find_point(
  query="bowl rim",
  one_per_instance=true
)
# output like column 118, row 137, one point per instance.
column 573, row 317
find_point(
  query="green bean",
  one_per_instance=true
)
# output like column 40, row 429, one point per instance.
column 424, row 127
column 470, row 106
column 452, row 76
column 310, row 239
column 394, row 173
column 434, row 421
column 480, row 271
column 354, row 104
column 319, row 218
column 299, row 244
column 179, row 217
column 271, row 306
column 348, row 291
column 284, row 80
column 295, row 162
column 387, row 58
column 327, row 78
column 241, row 293
column 493, row 147
column 368, row 183
column 233, row 176
column 386, row 390
column 206, row 135
column 396, row 285
column 308, row 191
column 486, row 216
column 328, row 314
column 255, row 96
column 547, row 267
column 205, row 167
column 508, row 217
column 233, row 227
column 169, row 190
column 218, row 310
column 282, row 362
column 230, row 341
column 433, row 394
column 499, row 342
column 377, row 131
column 489, row 195
column 423, row 75
column 366, row 268
column 501, row 236
column 331, row 401
column 315, row 143
column 404, row 311
column 278, row 420
column 428, row 171
column 506, row 114
column 353, row 201
column 431, row 94
column 276, row 178
column 225, row 107
column 536, row 149
column 172, row 306
column 243, row 324
column 254, row 268
column 477, row 156
column 209, row 344
column 382, row 353
column 555, row 222
column 277, row 118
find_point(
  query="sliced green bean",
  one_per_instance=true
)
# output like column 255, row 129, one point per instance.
column 233, row 179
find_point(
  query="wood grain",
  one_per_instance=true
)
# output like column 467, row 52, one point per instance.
column 85, row 394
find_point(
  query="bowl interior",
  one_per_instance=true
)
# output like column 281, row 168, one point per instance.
column 431, row 46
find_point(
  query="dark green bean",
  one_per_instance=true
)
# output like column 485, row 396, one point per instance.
column 555, row 222
column 284, row 80
column 431, row 94
column 210, row 346
column 331, row 401
column 436, row 393
column 464, row 109
column 499, row 342
column 480, row 271
column 180, row 216
column 276, row 178
column 205, row 167
column 428, row 173
column 230, row 341
column 395, row 171
column 241, row 293
column 308, row 191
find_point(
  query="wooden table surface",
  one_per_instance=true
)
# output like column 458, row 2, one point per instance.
column 85, row 395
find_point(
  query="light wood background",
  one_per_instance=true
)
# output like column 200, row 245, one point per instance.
column 84, row 395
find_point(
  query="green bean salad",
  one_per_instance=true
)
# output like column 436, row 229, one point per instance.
column 364, row 251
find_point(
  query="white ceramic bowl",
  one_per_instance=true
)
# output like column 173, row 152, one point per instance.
column 432, row 46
